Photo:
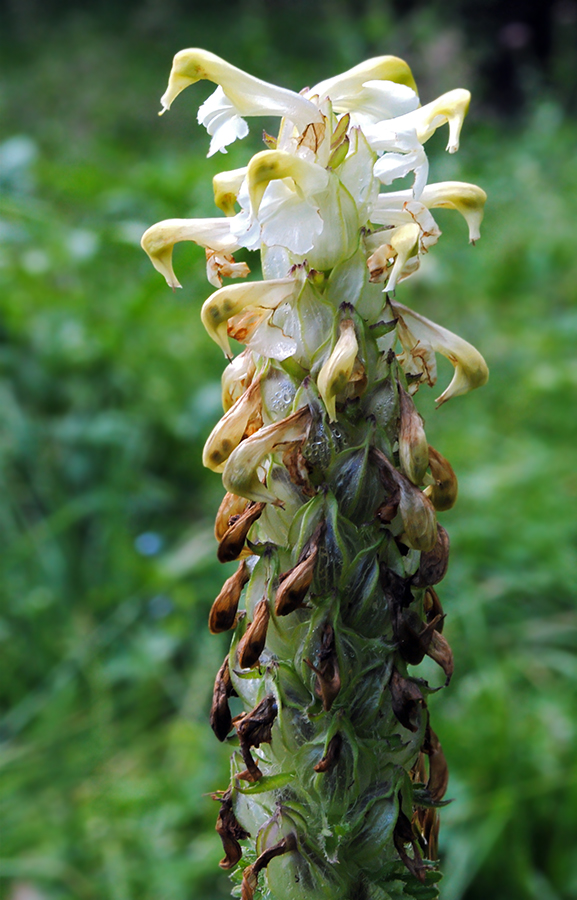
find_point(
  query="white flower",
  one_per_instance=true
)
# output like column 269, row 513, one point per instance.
column 470, row 368
column 238, row 95
column 404, row 136
column 468, row 199
column 231, row 300
column 376, row 89
column 158, row 241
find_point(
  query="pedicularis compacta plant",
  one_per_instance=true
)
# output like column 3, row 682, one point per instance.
column 332, row 488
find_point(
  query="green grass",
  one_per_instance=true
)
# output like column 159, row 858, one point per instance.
column 108, row 388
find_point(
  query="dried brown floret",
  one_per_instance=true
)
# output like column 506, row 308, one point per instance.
column 254, row 729
column 253, row 640
column 230, row 831
column 222, row 615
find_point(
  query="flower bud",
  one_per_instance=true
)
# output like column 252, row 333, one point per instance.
column 336, row 372
column 223, row 613
column 413, row 447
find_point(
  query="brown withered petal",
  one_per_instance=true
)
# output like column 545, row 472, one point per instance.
column 416, row 509
column 254, row 729
column 438, row 769
column 443, row 493
column 403, row 835
column 419, row 771
column 223, row 612
column 233, row 539
column 389, row 509
column 294, row 585
column 441, row 652
column 331, row 757
column 253, row 640
column 298, row 468
column 407, row 700
column 328, row 682
column 230, row 832
column 433, row 563
column 397, row 589
column 430, row 832
column 433, row 608
column 231, row 507
column 220, row 717
column 251, row 873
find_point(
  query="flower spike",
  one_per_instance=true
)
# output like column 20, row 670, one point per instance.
column 332, row 488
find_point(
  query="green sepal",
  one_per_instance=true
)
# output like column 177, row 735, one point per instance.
column 379, row 329
column 422, row 798
column 267, row 783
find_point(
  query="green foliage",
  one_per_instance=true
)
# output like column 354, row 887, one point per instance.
column 108, row 388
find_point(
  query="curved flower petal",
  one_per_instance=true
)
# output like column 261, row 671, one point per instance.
column 401, row 244
column 232, row 299
column 468, row 199
column 470, row 368
column 396, row 165
column 226, row 186
column 420, row 125
column 239, row 94
column 240, row 474
column 158, row 241
column 269, row 165
column 355, row 89
column 229, row 432
column 357, row 176
column 236, row 378
column 253, row 327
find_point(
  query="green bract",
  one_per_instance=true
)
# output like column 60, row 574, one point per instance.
column 332, row 488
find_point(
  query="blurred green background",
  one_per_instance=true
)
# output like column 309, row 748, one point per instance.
column 109, row 386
